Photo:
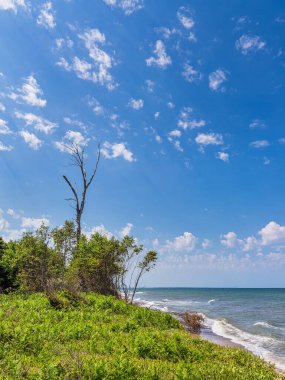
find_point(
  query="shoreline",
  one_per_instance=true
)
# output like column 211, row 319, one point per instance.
column 207, row 334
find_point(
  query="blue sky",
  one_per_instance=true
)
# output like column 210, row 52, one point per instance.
column 187, row 101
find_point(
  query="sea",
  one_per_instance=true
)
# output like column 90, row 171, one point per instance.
column 251, row 318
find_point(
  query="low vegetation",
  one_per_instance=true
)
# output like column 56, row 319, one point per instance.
column 67, row 335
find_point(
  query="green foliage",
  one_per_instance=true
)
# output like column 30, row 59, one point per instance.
column 100, row 337
column 5, row 282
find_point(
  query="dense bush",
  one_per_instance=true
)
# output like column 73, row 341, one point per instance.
column 50, row 260
column 100, row 337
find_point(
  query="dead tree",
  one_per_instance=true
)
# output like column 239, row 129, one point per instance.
column 78, row 159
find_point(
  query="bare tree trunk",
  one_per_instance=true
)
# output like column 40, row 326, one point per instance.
column 78, row 157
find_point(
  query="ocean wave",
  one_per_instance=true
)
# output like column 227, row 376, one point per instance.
column 211, row 301
column 268, row 325
column 259, row 345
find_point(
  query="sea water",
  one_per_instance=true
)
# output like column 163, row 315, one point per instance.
column 253, row 318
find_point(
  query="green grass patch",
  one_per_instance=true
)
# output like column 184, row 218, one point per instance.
column 97, row 337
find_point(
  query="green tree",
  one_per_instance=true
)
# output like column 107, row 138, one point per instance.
column 4, row 278
column 64, row 239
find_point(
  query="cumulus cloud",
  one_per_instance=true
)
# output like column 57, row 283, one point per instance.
column 4, row 224
column 5, row 148
column 185, row 120
column 173, row 137
column 230, row 240
column 31, row 139
column 190, row 74
column 249, row 44
column 136, row 104
column 223, row 156
column 34, row 222
column 216, row 79
column 184, row 15
column 175, row 133
column 2, row 107
column 30, row 93
column 160, row 59
column 205, row 139
column 46, row 16
column 37, row 122
column 126, row 230
column 128, row 6
column 260, row 144
column 184, row 243
column 12, row 5
column 98, row 69
column 272, row 234
column 117, row 150
column 4, row 129
column 71, row 139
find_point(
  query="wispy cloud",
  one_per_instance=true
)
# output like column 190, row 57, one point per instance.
column 249, row 44
column 4, row 129
column 190, row 74
column 260, row 144
column 136, row 104
column 216, row 80
column 12, row 5
column 5, row 148
column 37, row 122
column 160, row 59
column 46, row 17
column 31, row 139
column 128, row 6
column 29, row 93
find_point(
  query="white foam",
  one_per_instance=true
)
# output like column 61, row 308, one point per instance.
column 259, row 345
column 268, row 325
column 211, row 301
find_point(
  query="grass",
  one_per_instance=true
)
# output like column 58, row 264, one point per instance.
column 99, row 337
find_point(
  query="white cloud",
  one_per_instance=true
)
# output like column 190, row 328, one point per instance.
column 223, row 156
column 70, row 139
column 216, row 79
column 190, row 74
column 136, row 104
column 12, row 5
column 128, row 6
column 117, row 150
column 4, row 224
column 166, row 32
column 206, row 243
column 257, row 124
column 158, row 139
column 34, row 222
column 156, row 115
column 31, row 139
column 13, row 213
column 2, row 107
column 259, row 144
column 186, row 122
column 175, row 133
column 149, row 85
column 46, row 16
column 101, row 229
column 126, row 230
column 183, row 243
column 30, row 93
column 272, row 234
column 170, row 105
column 37, row 122
column 5, row 148
column 161, row 59
column 209, row 139
column 4, row 129
column 230, row 240
column 249, row 44
column 96, row 106
column 185, row 17
column 98, row 70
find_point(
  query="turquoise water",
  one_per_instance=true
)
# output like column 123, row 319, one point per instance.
column 254, row 318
